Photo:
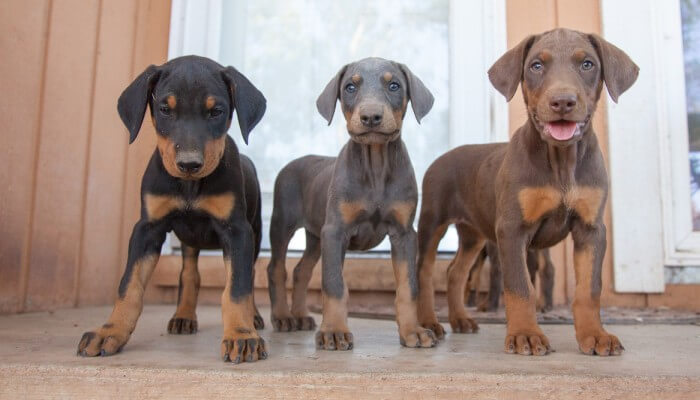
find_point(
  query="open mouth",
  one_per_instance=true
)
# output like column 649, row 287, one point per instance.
column 562, row 130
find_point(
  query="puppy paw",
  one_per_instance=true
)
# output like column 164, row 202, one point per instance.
column 258, row 321
column 305, row 323
column 418, row 338
column 284, row 324
column 601, row 344
column 527, row 344
column 436, row 327
column 464, row 325
column 243, row 348
column 182, row 326
column 334, row 340
column 104, row 341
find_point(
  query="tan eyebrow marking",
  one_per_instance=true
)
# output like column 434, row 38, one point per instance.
column 172, row 101
column 387, row 76
column 356, row 79
column 210, row 102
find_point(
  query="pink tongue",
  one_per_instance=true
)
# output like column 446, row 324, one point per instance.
column 561, row 130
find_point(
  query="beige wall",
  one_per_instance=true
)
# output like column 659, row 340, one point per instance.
column 70, row 183
column 65, row 168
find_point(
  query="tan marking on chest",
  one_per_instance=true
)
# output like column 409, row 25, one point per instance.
column 158, row 206
column 220, row 206
column 350, row 210
column 585, row 201
column 402, row 211
column 538, row 201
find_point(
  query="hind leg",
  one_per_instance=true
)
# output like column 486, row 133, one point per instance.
column 280, row 235
column 495, row 279
column 470, row 245
column 429, row 234
column 185, row 319
column 258, row 320
column 302, row 275
column 546, row 273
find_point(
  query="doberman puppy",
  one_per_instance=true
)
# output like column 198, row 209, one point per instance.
column 199, row 186
column 539, row 263
column 351, row 202
column 548, row 181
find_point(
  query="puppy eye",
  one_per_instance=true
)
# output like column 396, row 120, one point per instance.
column 165, row 110
column 393, row 86
column 350, row 88
column 586, row 65
column 536, row 66
column 215, row 112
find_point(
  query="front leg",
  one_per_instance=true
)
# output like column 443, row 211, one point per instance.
column 523, row 335
column 589, row 249
column 144, row 248
column 241, row 341
column 334, row 333
column 403, row 257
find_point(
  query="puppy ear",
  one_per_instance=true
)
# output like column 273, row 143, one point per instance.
column 421, row 98
column 507, row 72
column 134, row 99
column 326, row 101
column 248, row 101
column 619, row 71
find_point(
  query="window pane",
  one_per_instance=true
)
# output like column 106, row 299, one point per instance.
column 291, row 49
column 690, row 14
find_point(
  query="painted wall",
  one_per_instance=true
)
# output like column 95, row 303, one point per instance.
column 70, row 183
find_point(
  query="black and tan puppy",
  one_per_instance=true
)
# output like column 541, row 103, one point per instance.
column 199, row 186
column 352, row 202
column 548, row 181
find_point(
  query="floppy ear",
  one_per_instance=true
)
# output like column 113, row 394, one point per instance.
column 248, row 101
column 507, row 72
column 421, row 98
column 133, row 100
column 325, row 104
column 619, row 71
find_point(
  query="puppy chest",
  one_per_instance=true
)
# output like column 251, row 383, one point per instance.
column 547, row 201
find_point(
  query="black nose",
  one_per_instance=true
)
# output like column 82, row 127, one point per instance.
column 189, row 166
column 562, row 103
column 371, row 119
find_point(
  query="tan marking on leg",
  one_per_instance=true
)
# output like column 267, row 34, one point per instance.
column 402, row 211
column 406, row 316
column 335, row 313
column 172, row 101
column 219, row 206
column 457, row 274
column 280, row 308
column 301, row 284
column 111, row 336
column 586, row 201
column 426, row 293
column 166, row 147
column 238, row 321
column 537, row 201
column 590, row 334
column 350, row 210
column 520, row 314
column 190, row 281
column 210, row 102
column 388, row 76
column 158, row 206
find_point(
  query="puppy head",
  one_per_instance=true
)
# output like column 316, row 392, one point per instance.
column 562, row 74
column 373, row 95
column 192, row 100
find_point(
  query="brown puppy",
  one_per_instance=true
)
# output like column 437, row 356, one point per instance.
column 549, row 180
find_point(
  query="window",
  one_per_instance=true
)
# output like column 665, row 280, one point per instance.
column 291, row 49
column 651, row 142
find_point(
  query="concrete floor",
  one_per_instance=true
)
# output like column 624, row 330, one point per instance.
column 37, row 359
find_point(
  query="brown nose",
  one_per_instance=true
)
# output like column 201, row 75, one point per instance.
column 562, row 103
column 371, row 116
